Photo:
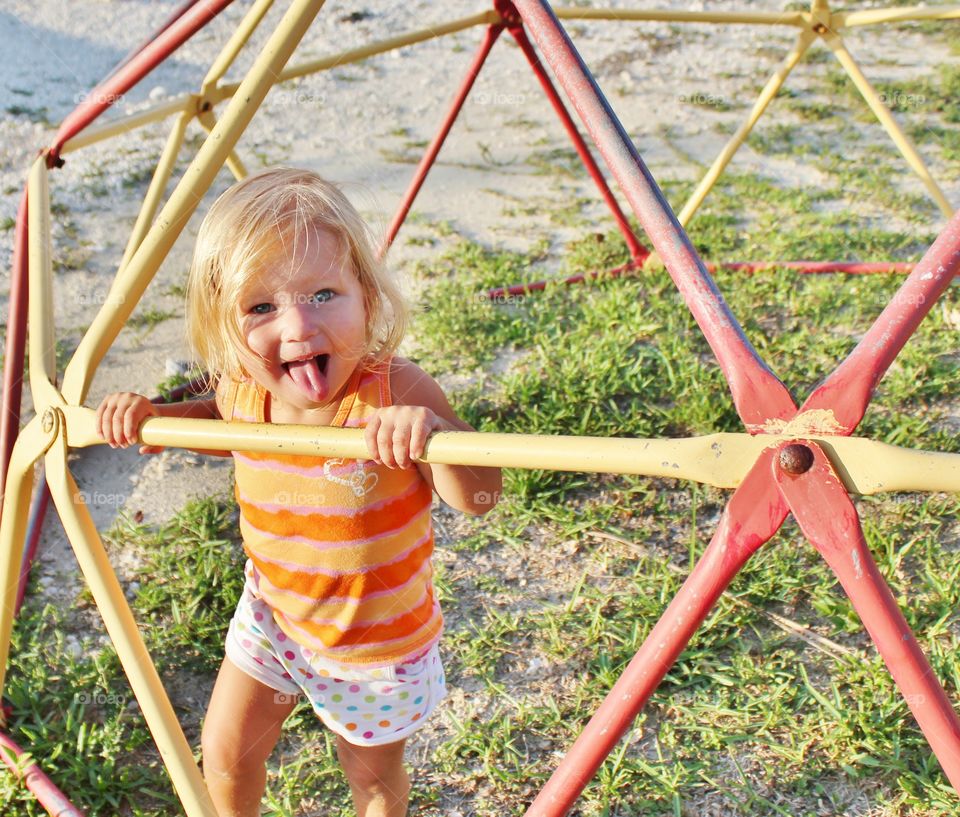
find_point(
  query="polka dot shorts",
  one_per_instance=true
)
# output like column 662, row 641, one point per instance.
column 367, row 707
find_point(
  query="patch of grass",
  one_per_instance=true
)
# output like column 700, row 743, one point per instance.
column 402, row 157
column 556, row 162
column 40, row 115
column 75, row 257
column 190, row 581
column 167, row 386
column 175, row 290
column 149, row 318
column 520, row 122
column 812, row 111
column 139, row 177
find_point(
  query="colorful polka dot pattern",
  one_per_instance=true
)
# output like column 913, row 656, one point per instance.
column 366, row 706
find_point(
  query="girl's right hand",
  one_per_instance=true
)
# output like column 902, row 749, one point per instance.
column 119, row 417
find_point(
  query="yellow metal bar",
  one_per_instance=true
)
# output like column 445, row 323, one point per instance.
column 161, row 175
column 237, row 41
column 108, row 595
column 882, row 112
column 870, row 467
column 894, row 15
column 234, row 165
column 358, row 54
column 132, row 280
column 41, row 340
column 764, row 18
column 30, row 445
column 770, row 90
column 721, row 460
column 89, row 136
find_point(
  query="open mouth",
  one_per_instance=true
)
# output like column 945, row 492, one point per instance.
column 309, row 375
column 321, row 362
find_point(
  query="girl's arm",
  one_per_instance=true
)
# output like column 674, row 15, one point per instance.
column 119, row 416
column 398, row 434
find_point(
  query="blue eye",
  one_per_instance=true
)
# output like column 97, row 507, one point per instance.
column 260, row 309
column 322, row 296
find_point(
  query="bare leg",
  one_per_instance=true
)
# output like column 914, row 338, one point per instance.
column 378, row 781
column 240, row 729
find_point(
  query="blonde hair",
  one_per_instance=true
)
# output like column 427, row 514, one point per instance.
column 234, row 244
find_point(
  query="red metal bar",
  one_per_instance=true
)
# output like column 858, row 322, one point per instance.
column 637, row 251
column 848, row 389
column 15, row 350
column 500, row 293
column 819, row 267
column 108, row 91
column 828, row 519
column 43, row 788
column 509, row 14
column 175, row 15
column 758, row 394
column 426, row 162
column 754, row 513
column 806, row 267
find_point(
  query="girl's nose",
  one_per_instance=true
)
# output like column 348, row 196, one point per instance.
column 300, row 321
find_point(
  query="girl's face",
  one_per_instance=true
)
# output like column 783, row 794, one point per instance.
column 304, row 323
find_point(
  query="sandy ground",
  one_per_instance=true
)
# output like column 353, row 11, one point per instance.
column 351, row 124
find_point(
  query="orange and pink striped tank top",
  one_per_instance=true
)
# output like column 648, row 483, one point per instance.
column 339, row 549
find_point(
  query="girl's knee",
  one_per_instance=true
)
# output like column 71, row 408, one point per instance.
column 221, row 755
column 242, row 724
column 375, row 769
column 226, row 757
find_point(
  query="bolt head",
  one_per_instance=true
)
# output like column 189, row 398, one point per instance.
column 796, row 458
column 49, row 420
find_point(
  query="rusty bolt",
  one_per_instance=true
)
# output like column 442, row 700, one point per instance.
column 820, row 28
column 796, row 458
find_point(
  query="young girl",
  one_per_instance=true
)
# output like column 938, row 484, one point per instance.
column 297, row 322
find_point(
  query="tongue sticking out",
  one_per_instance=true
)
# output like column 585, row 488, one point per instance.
column 308, row 376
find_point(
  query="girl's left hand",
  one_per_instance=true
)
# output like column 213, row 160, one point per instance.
column 397, row 435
